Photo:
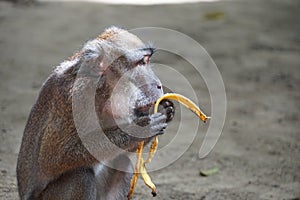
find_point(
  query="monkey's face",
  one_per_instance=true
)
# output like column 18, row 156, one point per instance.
column 130, row 84
column 134, row 86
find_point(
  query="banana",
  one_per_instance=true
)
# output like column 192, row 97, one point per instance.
column 137, row 169
column 184, row 101
column 153, row 148
column 140, row 165
column 147, row 179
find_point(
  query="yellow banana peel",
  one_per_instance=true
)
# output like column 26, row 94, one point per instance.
column 140, row 164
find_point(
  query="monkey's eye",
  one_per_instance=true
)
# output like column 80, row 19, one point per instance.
column 145, row 60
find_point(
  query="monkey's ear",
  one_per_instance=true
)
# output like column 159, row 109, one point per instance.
column 92, row 60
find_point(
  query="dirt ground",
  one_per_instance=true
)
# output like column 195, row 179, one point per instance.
column 256, row 46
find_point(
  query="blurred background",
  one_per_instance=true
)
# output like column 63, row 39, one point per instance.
column 256, row 46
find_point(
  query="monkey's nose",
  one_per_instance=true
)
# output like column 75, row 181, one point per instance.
column 159, row 87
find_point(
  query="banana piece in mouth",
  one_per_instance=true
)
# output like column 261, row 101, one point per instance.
column 140, row 167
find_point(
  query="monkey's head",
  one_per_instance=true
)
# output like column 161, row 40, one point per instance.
column 127, row 86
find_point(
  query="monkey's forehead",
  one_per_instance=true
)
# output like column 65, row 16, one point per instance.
column 121, row 38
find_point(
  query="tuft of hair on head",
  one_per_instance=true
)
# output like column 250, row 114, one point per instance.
column 110, row 32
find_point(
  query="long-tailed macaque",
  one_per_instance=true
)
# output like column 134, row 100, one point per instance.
column 53, row 162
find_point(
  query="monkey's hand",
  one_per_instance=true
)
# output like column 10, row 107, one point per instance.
column 148, row 126
column 154, row 124
column 167, row 108
column 143, row 128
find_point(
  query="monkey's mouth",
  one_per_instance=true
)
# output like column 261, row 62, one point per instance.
column 145, row 109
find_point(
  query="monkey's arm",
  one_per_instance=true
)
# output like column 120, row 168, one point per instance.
column 113, row 180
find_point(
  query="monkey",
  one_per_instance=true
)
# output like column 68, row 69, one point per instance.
column 55, row 161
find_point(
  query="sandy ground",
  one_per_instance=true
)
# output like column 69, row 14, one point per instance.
column 134, row 2
column 256, row 46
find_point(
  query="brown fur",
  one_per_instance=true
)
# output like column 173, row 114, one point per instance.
column 53, row 162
